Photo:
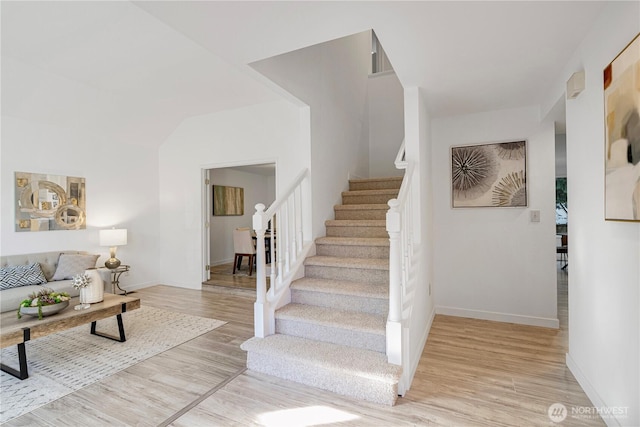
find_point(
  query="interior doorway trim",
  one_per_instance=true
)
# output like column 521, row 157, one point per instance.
column 205, row 220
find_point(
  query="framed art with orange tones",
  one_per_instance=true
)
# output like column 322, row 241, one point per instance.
column 622, row 135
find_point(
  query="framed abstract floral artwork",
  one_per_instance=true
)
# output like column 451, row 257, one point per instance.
column 622, row 135
column 489, row 175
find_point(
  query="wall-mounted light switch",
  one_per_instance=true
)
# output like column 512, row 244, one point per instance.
column 535, row 216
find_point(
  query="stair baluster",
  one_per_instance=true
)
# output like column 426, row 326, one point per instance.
column 290, row 220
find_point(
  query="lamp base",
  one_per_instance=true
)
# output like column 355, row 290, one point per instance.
column 112, row 263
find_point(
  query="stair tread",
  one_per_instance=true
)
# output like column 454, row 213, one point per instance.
column 353, row 241
column 363, row 206
column 363, row 263
column 341, row 319
column 354, row 361
column 370, row 192
column 387, row 178
column 342, row 287
column 355, row 223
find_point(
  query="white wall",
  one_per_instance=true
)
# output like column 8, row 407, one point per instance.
column 561, row 155
column 62, row 127
column 418, row 152
column 332, row 79
column 264, row 133
column 386, row 123
column 493, row 263
column 604, row 275
column 257, row 189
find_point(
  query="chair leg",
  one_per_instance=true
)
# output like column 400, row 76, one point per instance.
column 250, row 264
column 235, row 263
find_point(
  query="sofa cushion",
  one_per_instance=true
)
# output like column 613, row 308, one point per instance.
column 71, row 264
column 21, row 275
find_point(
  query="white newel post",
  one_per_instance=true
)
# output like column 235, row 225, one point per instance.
column 394, row 321
column 261, row 321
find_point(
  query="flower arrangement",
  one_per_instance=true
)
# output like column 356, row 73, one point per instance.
column 81, row 281
column 42, row 298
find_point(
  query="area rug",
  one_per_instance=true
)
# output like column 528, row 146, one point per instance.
column 65, row 362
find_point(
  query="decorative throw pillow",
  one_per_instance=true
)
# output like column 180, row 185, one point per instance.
column 71, row 264
column 21, row 275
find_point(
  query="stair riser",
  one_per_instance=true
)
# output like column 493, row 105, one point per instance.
column 339, row 382
column 346, row 337
column 348, row 274
column 349, row 251
column 341, row 302
column 357, row 199
column 377, row 214
column 354, row 231
column 375, row 185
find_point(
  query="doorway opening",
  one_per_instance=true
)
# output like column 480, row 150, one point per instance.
column 247, row 185
column 562, row 223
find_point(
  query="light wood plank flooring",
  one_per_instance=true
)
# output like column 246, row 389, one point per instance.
column 472, row 373
column 222, row 275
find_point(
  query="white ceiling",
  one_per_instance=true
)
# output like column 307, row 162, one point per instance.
column 468, row 56
column 135, row 72
column 167, row 60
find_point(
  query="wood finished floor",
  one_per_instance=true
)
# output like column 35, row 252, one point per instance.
column 222, row 275
column 472, row 373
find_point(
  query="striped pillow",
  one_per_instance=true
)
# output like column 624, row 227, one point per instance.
column 14, row 276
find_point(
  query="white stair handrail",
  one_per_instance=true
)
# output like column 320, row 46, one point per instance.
column 290, row 216
column 401, row 157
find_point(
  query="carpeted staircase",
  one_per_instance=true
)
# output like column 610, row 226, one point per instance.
column 332, row 334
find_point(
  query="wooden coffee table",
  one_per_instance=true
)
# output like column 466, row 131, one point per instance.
column 14, row 331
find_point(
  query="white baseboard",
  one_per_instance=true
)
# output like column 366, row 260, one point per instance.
column 221, row 262
column 544, row 322
column 131, row 288
column 590, row 391
column 197, row 285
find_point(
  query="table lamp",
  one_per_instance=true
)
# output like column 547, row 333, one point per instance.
column 113, row 238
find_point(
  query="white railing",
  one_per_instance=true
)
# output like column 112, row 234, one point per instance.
column 401, row 157
column 289, row 240
column 400, row 226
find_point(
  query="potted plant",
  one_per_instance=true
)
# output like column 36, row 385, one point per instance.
column 43, row 303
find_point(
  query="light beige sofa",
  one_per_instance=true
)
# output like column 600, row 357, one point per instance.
column 11, row 298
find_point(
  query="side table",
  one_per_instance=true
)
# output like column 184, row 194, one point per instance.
column 115, row 278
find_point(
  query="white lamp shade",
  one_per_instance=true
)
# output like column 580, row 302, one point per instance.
column 113, row 237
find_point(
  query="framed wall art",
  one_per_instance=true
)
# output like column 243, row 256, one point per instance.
column 622, row 135
column 49, row 202
column 228, row 200
column 489, row 175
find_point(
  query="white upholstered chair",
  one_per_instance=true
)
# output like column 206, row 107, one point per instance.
column 243, row 246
